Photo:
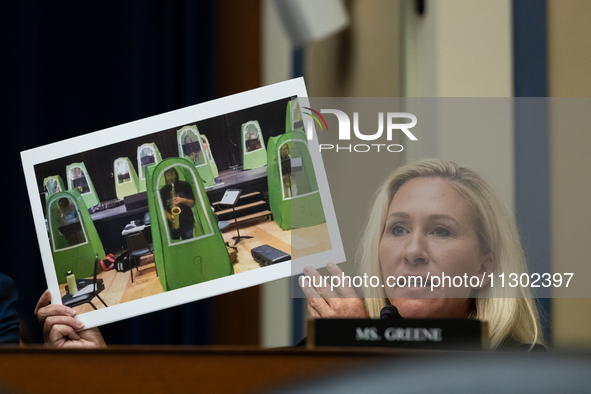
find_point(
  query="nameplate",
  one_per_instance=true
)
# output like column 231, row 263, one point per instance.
column 432, row 334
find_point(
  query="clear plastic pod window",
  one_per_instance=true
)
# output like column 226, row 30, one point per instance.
column 191, row 148
column 126, row 179
column 254, row 152
column 147, row 154
column 293, row 189
column 73, row 238
column 188, row 245
column 53, row 184
column 208, row 154
column 79, row 180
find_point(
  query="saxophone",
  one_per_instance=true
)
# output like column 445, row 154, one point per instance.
column 176, row 211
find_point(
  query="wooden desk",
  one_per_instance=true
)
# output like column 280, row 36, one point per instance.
column 176, row 369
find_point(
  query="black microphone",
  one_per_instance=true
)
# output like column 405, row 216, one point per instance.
column 390, row 313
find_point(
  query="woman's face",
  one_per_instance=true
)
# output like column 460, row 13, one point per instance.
column 429, row 230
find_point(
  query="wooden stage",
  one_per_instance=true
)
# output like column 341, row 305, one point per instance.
column 119, row 289
column 110, row 223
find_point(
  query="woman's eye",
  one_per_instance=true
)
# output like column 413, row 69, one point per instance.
column 441, row 232
column 398, row 230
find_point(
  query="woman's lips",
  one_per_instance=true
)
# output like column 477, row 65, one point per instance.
column 416, row 281
column 417, row 285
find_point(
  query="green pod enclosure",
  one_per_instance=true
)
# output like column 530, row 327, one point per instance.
column 293, row 116
column 293, row 190
column 191, row 148
column 207, row 149
column 79, row 180
column 194, row 252
column 73, row 238
column 146, row 154
column 126, row 180
column 53, row 184
column 254, row 153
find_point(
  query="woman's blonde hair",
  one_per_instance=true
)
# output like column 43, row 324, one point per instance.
column 510, row 311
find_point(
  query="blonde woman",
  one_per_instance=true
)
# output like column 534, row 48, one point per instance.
column 434, row 217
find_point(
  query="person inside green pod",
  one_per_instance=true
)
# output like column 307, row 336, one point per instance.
column 147, row 156
column 252, row 142
column 79, row 180
column 192, row 151
column 178, row 199
column 122, row 171
column 290, row 189
column 205, row 146
column 69, row 215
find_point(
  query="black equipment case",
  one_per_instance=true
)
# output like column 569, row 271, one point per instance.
column 267, row 255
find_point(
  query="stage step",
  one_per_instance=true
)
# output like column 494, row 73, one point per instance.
column 250, row 206
column 242, row 210
column 242, row 219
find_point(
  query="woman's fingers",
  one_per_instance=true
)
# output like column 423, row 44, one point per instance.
column 313, row 312
column 54, row 310
column 344, row 286
column 62, row 321
column 315, row 300
column 44, row 309
column 322, row 285
column 324, row 301
column 43, row 302
column 58, row 334
column 309, row 290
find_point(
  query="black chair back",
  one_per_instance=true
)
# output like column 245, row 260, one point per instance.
column 136, row 241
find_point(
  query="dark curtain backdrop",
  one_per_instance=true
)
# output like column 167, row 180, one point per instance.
column 223, row 133
column 72, row 67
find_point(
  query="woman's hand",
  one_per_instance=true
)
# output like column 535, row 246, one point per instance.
column 324, row 303
column 62, row 330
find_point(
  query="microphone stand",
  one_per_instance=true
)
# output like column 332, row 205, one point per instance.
column 239, row 237
column 231, row 197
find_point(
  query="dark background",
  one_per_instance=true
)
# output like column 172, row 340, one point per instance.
column 223, row 133
column 70, row 68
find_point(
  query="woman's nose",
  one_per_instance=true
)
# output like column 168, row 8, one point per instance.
column 415, row 251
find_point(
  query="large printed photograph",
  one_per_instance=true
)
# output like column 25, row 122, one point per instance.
column 181, row 206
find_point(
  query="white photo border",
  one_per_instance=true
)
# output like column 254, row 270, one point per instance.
column 139, row 128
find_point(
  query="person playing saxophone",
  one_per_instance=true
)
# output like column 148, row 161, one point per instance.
column 178, row 194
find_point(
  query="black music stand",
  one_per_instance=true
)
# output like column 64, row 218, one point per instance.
column 231, row 197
